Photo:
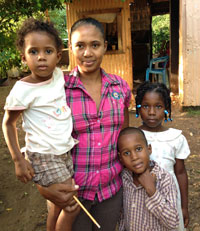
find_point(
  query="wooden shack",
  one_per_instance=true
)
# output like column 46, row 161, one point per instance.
column 128, row 32
column 189, row 53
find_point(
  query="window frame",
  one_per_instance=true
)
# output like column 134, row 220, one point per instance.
column 118, row 12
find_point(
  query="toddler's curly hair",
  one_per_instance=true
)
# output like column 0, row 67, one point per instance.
column 32, row 25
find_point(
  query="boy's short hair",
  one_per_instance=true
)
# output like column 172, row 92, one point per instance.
column 34, row 25
column 132, row 130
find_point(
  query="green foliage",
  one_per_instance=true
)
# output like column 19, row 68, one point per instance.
column 12, row 13
column 192, row 111
column 160, row 31
column 58, row 17
column 13, row 10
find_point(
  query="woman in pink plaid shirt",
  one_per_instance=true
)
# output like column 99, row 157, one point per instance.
column 99, row 104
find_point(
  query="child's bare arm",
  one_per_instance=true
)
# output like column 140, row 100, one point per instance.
column 23, row 169
column 148, row 181
column 182, row 178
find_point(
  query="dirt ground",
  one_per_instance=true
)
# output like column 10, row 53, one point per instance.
column 23, row 209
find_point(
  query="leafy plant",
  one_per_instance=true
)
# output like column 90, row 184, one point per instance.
column 160, row 31
column 12, row 13
column 58, row 17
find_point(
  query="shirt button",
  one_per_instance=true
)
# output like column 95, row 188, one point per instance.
column 98, row 121
column 97, row 171
column 99, row 143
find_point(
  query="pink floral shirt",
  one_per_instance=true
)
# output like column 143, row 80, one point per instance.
column 95, row 158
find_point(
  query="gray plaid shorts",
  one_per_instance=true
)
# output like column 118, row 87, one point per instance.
column 50, row 169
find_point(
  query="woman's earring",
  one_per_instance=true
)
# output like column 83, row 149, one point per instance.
column 136, row 115
column 138, row 106
column 166, row 112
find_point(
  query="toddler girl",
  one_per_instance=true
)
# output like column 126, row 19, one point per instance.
column 40, row 99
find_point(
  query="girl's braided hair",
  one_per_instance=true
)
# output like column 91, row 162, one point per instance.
column 32, row 25
column 159, row 88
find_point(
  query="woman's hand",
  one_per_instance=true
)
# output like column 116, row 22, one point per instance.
column 60, row 194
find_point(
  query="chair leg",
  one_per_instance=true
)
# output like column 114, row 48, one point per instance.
column 147, row 75
column 157, row 77
column 164, row 77
column 168, row 77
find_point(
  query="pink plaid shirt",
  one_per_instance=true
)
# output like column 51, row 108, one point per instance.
column 95, row 158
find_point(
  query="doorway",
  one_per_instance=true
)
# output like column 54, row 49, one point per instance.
column 141, row 12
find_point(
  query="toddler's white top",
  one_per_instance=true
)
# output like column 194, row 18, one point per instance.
column 46, row 117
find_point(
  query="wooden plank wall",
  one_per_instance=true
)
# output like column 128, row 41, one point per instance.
column 189, row 53
column 116, row 63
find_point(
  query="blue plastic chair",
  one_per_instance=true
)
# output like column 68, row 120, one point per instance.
column 158, row 71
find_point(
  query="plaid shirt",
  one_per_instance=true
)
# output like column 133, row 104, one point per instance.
column 96, row 164
column 144, row 213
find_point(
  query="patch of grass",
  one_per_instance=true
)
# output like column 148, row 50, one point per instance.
column 192, row 111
